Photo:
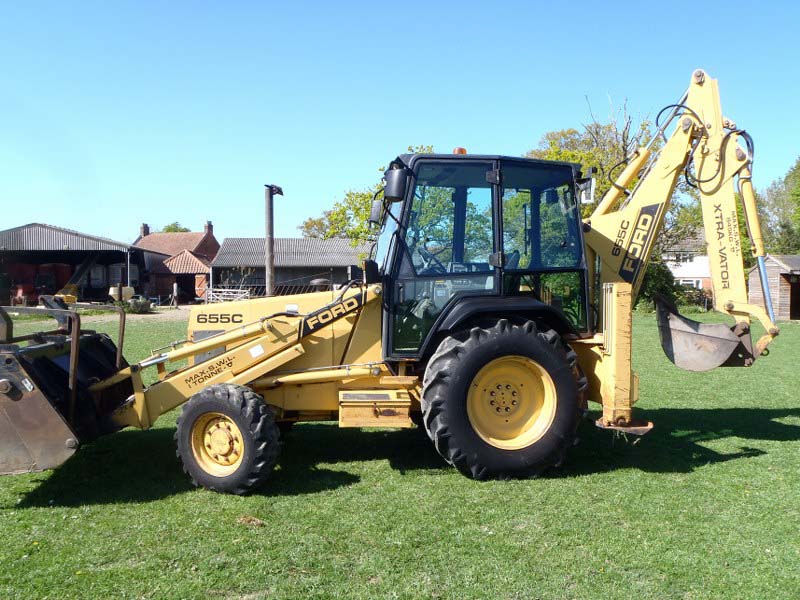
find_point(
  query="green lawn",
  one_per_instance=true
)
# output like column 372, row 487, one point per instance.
column 705, row 506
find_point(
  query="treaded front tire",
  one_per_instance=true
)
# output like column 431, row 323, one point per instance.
column 459, row 396
column 227, row 439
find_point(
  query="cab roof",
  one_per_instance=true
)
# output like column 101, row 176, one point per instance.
column 409, row 159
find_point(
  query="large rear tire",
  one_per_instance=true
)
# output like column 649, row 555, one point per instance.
column 227, row 439
column 503, row 401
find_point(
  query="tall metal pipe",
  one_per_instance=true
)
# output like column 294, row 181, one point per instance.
column 270, row 190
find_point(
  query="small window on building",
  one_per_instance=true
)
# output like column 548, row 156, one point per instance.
column 134, row 275
column 97, row 277
column 116, row 274
column 695, row 283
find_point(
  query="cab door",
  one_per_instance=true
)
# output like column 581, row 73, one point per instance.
column 448, row 250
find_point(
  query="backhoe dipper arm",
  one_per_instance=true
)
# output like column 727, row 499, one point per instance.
column 624, row 226
column 620, row 236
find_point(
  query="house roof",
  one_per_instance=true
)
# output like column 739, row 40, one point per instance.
column 694, row 243
column 40, row 236
column 187, row 263
column 290, row 252
column 790, row 263
column 170, row 243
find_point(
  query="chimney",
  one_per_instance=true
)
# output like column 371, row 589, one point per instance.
column 209, row 228
column 144, row 230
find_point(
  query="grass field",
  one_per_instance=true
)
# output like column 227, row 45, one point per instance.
column 705, row 506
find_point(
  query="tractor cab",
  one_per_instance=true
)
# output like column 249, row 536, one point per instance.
column 494, row 234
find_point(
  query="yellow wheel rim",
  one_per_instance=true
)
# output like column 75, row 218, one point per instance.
column 217, row 444
column 511, row 402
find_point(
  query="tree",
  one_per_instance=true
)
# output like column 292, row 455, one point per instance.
column 174, row 227
column 779, row 210
column 349, row 216
column 605, row 146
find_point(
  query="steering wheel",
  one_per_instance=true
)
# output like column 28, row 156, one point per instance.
column 431, row 263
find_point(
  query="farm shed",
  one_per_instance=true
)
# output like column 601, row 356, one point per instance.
column 40, row 259
column 185, row 259
column 298, row 261
column 783, row 278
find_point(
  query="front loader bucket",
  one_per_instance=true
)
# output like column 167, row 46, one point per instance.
column 46, row 409
column 33, row 435
column 698, row 346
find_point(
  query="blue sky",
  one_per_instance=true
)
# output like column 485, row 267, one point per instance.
column 114, row 113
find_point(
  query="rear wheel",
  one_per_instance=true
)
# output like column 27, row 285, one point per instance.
column 502, row 401
column 227, row 439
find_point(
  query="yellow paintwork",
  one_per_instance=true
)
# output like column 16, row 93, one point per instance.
column 511, row 402
column 374, row 408
column 606, row 358
column 217, row 444
column 267, row 353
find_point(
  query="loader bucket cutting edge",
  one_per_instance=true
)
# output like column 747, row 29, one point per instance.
column 33, row 436
column 696, row 346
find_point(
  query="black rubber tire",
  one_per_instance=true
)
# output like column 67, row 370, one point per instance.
column 444, row 399
column 255, row 420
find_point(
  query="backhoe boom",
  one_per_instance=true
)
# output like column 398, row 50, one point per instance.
column 621, row 234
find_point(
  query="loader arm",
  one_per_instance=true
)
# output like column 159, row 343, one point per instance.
column 244, row 354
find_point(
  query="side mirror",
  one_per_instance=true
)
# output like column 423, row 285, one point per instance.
column 586, row 187
column 395, row 189
column 376, row 212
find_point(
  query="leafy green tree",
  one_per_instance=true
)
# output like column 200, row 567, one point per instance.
column 605, row 145
column 600, row 145
column 348, row 217
column 174, row 227
column 779, row 211
column 658, row 280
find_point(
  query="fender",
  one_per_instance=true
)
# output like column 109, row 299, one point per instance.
column 464, row 309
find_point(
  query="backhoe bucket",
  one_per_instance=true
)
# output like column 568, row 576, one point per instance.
column 698, row 346
column 46, row 410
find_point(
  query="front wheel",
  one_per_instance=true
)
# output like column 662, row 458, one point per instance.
column 227, row 439
column 502, row 401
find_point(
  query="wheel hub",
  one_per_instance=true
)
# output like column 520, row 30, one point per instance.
column 511, row 402
column 217, row 443
column 503, row 399
column 221, row 442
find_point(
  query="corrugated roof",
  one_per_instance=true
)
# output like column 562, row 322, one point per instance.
column 40, row 236
column 187, row 263
column 170, row 243
column 289, row 252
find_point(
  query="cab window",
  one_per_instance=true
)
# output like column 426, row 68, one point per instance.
column 448, row 245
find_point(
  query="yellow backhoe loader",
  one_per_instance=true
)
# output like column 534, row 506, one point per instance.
column 490, row 313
